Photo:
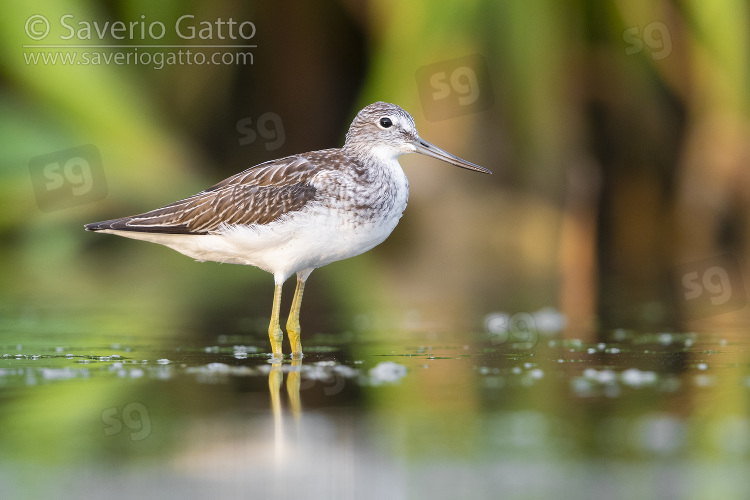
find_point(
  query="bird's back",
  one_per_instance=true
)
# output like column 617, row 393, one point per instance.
column 258, row 195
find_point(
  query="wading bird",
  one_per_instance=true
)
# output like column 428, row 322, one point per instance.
column 295, row 214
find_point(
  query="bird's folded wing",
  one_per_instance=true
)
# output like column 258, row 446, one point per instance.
column 258, row 195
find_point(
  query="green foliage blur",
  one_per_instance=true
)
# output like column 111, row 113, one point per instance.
column 617, row 132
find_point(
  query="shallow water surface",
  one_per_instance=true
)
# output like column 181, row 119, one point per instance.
column 408, row 415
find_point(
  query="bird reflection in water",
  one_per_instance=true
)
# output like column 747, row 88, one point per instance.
column 275, row 378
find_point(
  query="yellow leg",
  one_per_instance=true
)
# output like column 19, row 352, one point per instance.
column 292, row 325
column 274, row 330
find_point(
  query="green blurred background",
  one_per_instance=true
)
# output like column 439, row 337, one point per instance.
column 617, row 132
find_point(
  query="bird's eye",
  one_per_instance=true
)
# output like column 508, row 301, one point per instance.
column 385, row 122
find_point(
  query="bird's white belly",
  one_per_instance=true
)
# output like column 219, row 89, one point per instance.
column 304, row 240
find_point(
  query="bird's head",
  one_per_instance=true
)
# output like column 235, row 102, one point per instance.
column 387, row 131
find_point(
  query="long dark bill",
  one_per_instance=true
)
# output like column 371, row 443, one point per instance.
column 429, row 149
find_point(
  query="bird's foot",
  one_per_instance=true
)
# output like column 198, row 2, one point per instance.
column 276, row 336
column 293, row 330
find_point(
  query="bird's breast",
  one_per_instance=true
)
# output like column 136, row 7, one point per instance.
column 366, row 199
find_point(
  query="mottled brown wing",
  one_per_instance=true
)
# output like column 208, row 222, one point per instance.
column 258, row 195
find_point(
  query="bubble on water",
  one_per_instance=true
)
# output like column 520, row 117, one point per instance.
column 591, row 350
column 665, row 338
column 702, row 366
column 387, row 372
column 613, row 350
column 163, row 361
column 688, row 342
column 69, row 356
column 605, row 376
column 346, row 371
column 637, row 378
column 537, row 373
column 549, row 319
column 516, row 370
column 497, row 322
